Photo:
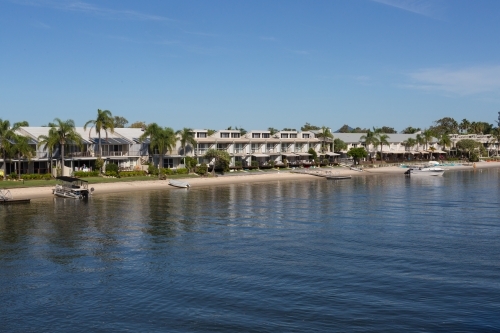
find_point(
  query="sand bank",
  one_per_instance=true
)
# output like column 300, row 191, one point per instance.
column 105, row 188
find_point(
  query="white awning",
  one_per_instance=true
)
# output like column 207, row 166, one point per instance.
column 260, row 155
column 304, row 154
column 288, row 154
column 332, row 154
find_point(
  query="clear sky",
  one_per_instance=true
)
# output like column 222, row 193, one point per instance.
column 252, row 64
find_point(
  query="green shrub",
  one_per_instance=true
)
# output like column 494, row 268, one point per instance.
column 313, row 153
column 202, row 169
column 182, row 171
column 238, row 164
column 98, row 164
column 33, row 176
column 474, row 157
column 111, row 167
column 325, row 161
column 132, row 173
column 82, row 174
column 167, row 171
column 190, row 163
column 111, row 174
column 152, row 170
column 271, row 163
column 255, row 164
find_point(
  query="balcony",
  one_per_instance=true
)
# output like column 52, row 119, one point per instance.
column 256, row 150
column 239, row 150
column 201, row 151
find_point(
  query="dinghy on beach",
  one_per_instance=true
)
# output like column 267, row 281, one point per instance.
column 179, row 184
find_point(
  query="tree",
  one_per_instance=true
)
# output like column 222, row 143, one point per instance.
column 119, row 122
column 163, row 139
column 409, row 143
column 7, row 135
column 420, row 140
column 104, row 121
column 210, row 132
column 313, row 153
column 444, row 140
column 309, row 127
column 357, row 154
column 382, row 140
column 22, row 148
column 427, row 135
column 23, row 123
column 289, row 129
column 387, row 129
column 49, row 143
column 496, row 137
column 410, row 130
column 273, row 130
column 464, row 125
column 468, row 145
column 339, row 145
column 138, row 124
column 242, row 130
column 220, row 159
column 369, row 139
column 324, row 134
column 446, row 125
column 186, row 137
column 66, row 132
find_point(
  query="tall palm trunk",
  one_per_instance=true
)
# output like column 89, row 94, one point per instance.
column 4, row 167
column 19, row 164
column 62, row 159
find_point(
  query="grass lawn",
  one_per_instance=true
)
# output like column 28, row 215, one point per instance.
column 91, row 180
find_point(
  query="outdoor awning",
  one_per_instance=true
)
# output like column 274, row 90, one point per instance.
column 111, row 141
column 173, row 156
column 304, row 154
column 260, row 155
column 332, row 154
column 288, row 154
column 437, row 152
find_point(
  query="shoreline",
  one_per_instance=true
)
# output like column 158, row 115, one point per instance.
column 107, row 188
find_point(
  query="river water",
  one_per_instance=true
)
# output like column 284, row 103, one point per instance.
column 378, row 253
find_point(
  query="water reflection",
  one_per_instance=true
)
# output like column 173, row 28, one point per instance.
column 277, row 256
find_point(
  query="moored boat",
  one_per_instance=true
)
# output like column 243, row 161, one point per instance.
column 73, row 188
column 424, row 171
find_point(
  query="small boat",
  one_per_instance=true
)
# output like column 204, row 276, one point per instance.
column 177, row 183
column 424, row 171
column 338, row 177
column 72, row 188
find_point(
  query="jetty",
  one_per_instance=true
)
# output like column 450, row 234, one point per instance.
column 328, row 174
column 7, row 199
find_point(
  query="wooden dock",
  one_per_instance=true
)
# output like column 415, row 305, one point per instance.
column 14, row 201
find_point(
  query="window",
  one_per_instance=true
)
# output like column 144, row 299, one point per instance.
column 235, row 135
column 293, row 136
column 265, row 135
column 238, row 148
column 201, row 135
column 224, row 135
column 168, row 162
column 305, row 136
column 256, row 135
column 284, row 135
column 255, row 148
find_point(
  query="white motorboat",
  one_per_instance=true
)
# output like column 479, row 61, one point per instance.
column 179, row 184
column 73, row 188
column 424, row 171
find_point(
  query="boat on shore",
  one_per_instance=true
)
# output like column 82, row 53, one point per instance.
column 72, row 188
column 179, row 184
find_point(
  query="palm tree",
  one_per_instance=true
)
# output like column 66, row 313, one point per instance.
column 427, row 136
column 187, row 136
column 163, row 139
column 66, row 133
column 464, row 125
column 324, row 133
column 409, row 143
column 444, row 141
column 7, row 135
column 49, row 143
column 382, row 140
column 22, row 148
column 370, row 139
column 496, row 137
column 103, row 122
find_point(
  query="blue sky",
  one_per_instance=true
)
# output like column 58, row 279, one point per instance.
column 252, row 64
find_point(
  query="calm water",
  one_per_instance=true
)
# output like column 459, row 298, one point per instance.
column 380, row 253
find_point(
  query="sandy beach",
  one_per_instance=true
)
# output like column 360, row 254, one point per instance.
column 105, row 188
